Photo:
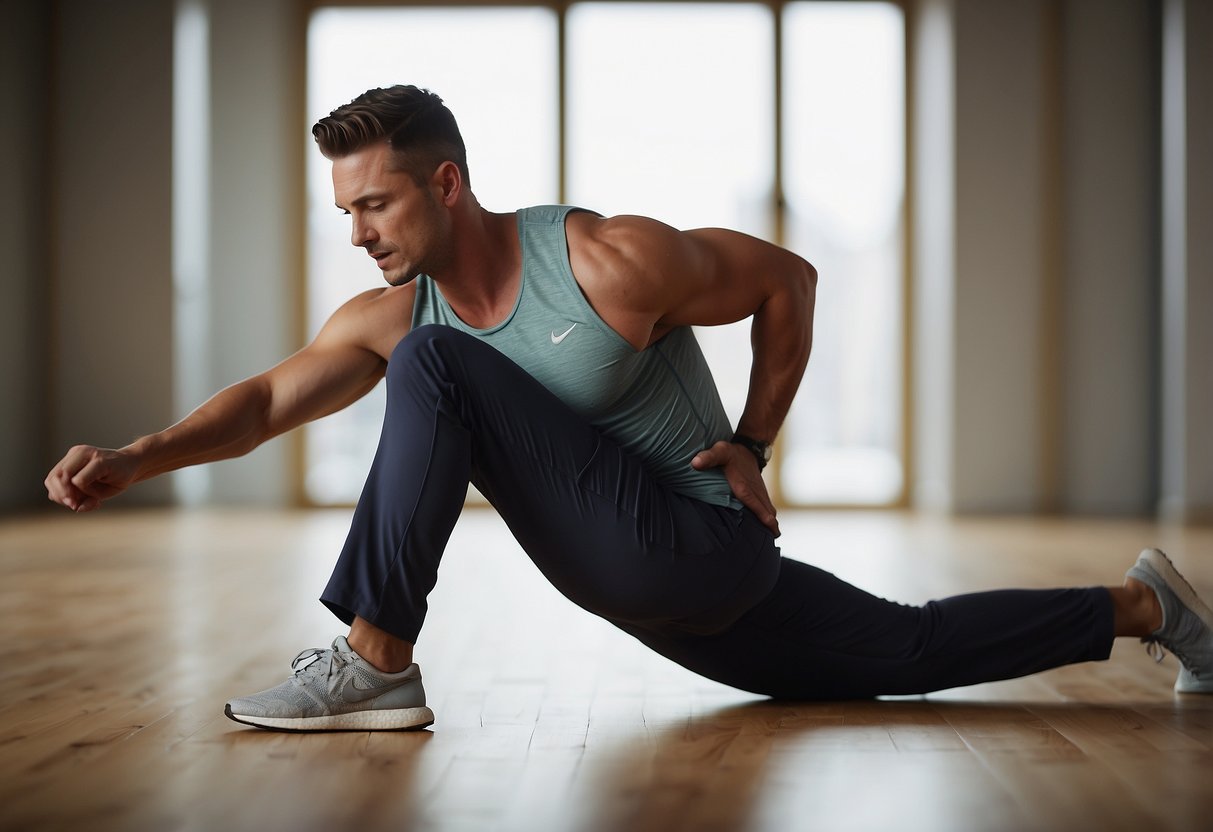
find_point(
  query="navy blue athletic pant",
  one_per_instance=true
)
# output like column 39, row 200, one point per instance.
column 702, row 585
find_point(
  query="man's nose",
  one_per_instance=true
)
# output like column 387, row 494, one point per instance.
column 363, row 234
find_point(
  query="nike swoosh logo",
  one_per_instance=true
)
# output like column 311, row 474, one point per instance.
column 556, row 339
column 352, row 693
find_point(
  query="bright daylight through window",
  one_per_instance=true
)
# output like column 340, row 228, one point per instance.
column 671, row 113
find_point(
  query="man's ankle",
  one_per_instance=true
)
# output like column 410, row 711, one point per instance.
column 1150, row 607
column 382, row 650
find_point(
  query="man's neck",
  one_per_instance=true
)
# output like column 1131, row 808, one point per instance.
column 481, row 283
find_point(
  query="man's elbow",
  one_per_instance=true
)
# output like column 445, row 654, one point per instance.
column 805, row 281
column 806, row 284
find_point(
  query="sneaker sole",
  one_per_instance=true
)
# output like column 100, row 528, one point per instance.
column 1176, row 582
column 400, row 719
column 1186, row 683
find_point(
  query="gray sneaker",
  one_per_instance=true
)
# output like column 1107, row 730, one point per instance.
column 337, row 690
column 1187, row 624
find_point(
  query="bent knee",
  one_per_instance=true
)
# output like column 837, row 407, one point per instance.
column 419, row 339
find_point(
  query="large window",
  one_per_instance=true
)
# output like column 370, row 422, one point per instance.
column 669, row 110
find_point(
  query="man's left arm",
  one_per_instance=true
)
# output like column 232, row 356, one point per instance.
column 645, row 278
column 743, row 276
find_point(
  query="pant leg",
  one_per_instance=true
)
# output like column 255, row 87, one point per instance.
column 589, row 515
column 817, row 637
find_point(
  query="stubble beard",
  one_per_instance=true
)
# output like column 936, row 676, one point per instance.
column 402, row 278
column 438, row 248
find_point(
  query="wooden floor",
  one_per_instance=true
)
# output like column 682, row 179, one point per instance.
column 124, row 633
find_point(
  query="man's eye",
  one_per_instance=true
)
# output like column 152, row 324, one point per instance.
column 375, row 206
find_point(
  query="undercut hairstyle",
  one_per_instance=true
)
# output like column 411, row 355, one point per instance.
column 414, row 122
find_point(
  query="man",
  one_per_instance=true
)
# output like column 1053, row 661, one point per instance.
column 547, row 357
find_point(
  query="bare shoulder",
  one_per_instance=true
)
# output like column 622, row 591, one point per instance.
column 627, row 266
column 626, row 246
column 648, row 277
column 374, row 320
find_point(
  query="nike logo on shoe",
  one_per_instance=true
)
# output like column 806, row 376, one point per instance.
column 556, row 339
column 353, row 692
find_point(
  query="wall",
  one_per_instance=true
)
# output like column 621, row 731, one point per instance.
column 87, row 352
column 999, row 275
column 1109, row 323
column 1186, row 367
column 111, row 151
column 980, row 169
column 24, row 276
column 1039, row 280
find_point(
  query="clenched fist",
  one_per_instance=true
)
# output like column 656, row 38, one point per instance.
column 86, row 476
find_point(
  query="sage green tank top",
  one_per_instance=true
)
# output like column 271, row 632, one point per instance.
column 660, row 403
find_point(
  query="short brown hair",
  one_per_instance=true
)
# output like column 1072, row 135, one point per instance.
column 414, row 122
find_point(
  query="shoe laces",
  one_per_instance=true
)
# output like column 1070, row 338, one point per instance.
column 1156, row 648
column 309, row 664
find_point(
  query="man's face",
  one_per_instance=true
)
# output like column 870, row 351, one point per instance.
column 399, row 223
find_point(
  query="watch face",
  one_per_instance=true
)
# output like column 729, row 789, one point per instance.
column 766, row 452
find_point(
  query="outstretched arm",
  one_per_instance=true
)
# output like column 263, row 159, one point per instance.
column 335, row 370
column 645, row 278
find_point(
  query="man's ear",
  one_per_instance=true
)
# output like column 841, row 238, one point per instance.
column 448, row 180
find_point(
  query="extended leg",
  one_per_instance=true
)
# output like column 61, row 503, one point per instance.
column 817, row 637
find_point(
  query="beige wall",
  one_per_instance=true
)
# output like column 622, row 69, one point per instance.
column 24, row 251
column 999, row 242
column 1038, row 274
column 111, row 224
column 1109, row 320
column 1187, row 260
column 87, row 323
column 1038, row 266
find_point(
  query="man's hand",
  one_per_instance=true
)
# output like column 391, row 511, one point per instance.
column 86, row 476
column 741, row 470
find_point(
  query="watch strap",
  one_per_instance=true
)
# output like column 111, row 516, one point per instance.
column 761, row 450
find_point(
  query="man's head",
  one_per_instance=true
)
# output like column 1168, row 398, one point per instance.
column 415, row 123
column 400, row 172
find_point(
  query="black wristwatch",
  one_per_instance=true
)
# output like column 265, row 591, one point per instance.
column 760, row 450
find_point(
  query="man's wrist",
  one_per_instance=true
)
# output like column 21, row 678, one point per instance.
column 760, row 449
column 141, row 452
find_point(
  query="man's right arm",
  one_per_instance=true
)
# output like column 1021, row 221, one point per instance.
column 339, row 367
